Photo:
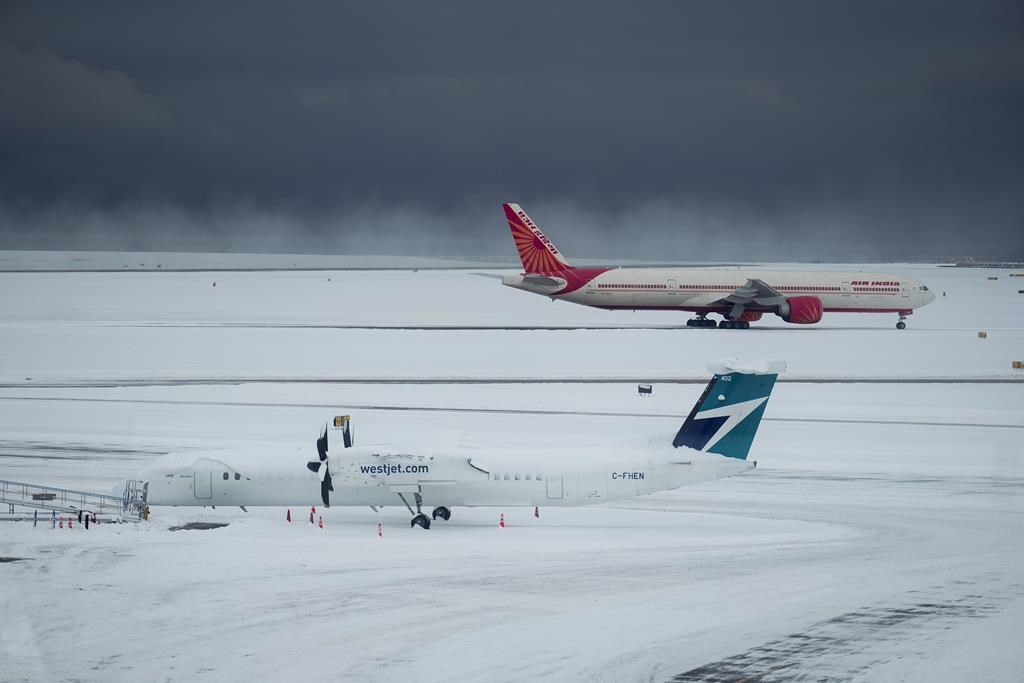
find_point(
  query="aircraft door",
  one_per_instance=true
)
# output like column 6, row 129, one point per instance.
column 555, row 488
column 203, row 484
column 846, row 289
column 671, row 286
column 904, row 290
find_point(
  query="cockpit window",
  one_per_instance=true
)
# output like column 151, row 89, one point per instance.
column 924, row 288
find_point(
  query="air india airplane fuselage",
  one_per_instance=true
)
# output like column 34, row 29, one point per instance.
column 739, row 296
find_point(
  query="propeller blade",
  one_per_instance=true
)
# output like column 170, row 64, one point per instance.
column 321, row 445
column 314, row 466
column 325, row 487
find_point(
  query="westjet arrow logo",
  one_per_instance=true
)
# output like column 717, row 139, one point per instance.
column 734, row 414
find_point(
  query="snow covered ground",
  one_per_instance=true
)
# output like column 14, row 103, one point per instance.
column 878, row 539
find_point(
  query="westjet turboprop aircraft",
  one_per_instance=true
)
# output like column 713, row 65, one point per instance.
column 739, row 296
column 712, row 443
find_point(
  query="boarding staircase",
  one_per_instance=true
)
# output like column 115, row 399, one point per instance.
column 129, row 506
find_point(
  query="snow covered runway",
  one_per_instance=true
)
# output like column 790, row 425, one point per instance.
column 877, row 540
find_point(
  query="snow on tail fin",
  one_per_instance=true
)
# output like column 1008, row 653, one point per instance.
column 726, row 418
column 536, row 251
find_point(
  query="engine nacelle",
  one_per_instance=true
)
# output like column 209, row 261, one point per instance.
column 801, row 310
column 751, row 316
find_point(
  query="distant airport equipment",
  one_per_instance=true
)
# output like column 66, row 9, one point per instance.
column 1018, row 365
column 125, row 506
column 713, row 442
column 982, row 334
column 991, row 277
column 739, row 296
column 644, row 389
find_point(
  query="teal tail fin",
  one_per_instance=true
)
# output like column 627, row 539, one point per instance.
column 725, row 419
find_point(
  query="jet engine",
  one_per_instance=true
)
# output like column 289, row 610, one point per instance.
column 801, row 310
column 751, row 316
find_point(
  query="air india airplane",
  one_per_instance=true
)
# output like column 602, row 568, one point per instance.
column 739, row 296
column 712, row 443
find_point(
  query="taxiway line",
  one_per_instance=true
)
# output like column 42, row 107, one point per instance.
column 492, row 411
column 29, row 383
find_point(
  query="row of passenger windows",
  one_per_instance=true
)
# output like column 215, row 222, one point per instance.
column 506, row 476
column 686, row 287
column 876, row 289
column 611, row 286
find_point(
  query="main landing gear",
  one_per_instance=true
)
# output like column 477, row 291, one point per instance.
column 901, row 325
column 419, row 519
column 700, row 321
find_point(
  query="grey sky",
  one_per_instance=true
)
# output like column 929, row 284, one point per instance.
column 672, row 130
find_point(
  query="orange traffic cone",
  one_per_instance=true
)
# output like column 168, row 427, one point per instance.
column 69, row 522
column 321, row 521
column 380, row 531
column 94, row 518
column 288, row 517
column 501, row 521
column 536, row 511
column 62, row 522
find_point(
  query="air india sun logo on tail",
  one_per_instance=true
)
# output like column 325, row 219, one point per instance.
column 535, row 250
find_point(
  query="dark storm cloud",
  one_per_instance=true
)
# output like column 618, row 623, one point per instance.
column 674, row 130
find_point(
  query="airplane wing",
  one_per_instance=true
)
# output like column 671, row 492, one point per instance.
column 754, row 294
column 752, row 291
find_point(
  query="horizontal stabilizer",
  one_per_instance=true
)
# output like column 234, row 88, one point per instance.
column 542, row 281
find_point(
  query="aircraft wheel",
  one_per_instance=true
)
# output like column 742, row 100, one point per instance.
column 420, row 520
column 901, row 325
column 725, row 325
column 689, row 323
column 745, row 325
column 442, row 512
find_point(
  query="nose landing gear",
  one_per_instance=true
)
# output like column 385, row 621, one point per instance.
column 901, row 325
column 442, row 512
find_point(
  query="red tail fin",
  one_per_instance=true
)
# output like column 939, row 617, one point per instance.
column 536, row 251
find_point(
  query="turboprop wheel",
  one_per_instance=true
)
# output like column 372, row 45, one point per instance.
column 420, row 520
column 901, row 325
column 442, row 512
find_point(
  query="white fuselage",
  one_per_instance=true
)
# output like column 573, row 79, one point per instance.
column 375, row 476
column 698, row 289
